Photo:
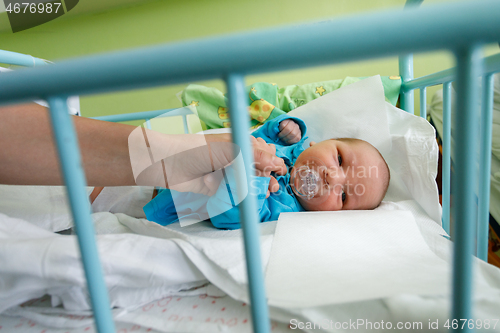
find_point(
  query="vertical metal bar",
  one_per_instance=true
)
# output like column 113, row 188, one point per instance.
column 184, row 121
column 446, row 165
column 406, row 100
column 248, row 207
column 148, row 124
column 485, row 168
column 423, row 102
column 74, row 178
column 463, row 180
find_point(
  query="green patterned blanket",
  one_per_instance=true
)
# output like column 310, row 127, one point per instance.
column 268, row 101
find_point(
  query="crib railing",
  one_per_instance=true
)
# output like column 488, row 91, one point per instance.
column 462, row 28
column 468, row 70
column 17, row 59
column 491, row 65
column 148, row 115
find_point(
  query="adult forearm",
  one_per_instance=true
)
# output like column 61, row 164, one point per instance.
column 28, row 155
column 116, row 154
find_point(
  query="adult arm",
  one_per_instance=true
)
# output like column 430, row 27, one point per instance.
column 28, row 155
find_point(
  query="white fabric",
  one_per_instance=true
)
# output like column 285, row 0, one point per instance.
column 328, row 258
column 357, row 111
column 138, row 269
column 218, row 254
column 405, row 306
column 45, row 206
column 205, row 309
column 133, row 262
column 127, row 200
column 407, row 142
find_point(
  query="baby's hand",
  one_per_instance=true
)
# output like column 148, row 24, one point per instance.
column 289, row 132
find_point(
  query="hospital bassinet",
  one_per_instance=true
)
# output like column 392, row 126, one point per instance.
column 463, row 28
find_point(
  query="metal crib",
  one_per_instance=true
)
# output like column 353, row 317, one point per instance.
column 461, row 28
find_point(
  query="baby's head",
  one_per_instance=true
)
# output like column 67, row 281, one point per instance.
column 354, row 175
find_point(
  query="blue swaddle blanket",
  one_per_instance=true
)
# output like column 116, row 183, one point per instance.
column 220, row 208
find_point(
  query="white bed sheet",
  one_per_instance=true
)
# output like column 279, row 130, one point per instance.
column 44, row 206
column 218, row 256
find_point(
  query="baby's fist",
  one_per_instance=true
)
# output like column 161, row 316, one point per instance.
column 289, row 132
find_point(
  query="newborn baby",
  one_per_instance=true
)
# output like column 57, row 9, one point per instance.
column 330, row 175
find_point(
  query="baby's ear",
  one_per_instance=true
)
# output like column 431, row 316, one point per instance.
column 312, row 143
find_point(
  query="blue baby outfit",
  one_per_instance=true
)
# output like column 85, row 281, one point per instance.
column 221, row 208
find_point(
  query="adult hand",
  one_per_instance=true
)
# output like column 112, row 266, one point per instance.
column 265, row 161
column 262, row 153
column 187, row 162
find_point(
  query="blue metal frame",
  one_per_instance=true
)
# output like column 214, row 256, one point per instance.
column 322, row 43
column 460, row 26
column 470, row 68
column 468, row 71
column 74, row 178
column 406, row 72
column 490, row 65
column 17, row 59
column 446, row 161
column 148, row 115
column 485, row 168
column 240, row 123
column 423, row 102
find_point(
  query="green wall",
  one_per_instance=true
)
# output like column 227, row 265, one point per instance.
column 152, row 22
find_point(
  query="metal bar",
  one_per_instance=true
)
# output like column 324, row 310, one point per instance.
column 485, row 168
column 463, row 179
column 145, row 115
column 430, row 80
column 406, row 98
column 185, row 123
column 74, row 178
column 406, row 101
column 491, row 65
column 446, row 165
column 18, row 59
column 423, row 103
column 248, row 207
column 369, row 36
column 148, row 124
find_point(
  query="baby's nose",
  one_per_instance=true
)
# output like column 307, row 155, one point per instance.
column 335, row 176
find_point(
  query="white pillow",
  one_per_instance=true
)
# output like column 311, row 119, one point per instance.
column 407, row 142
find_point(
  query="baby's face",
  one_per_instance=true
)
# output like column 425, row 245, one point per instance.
column 355, row 176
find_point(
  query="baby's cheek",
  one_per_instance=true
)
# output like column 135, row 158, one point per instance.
column 328, row 203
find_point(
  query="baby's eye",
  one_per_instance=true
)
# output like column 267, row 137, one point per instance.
column 343, row 196
column 340, row 159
